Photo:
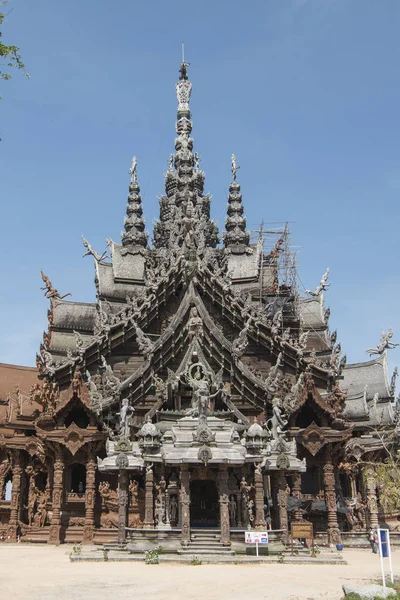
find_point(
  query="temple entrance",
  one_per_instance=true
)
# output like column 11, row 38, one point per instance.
column 204, row 505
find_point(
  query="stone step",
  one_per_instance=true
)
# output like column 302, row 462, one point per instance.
column 212, row 541
column 114, row 546
column 205, row 530
column 219, row 552
column 207, row 546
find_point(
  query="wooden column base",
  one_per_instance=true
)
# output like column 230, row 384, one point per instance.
column 55, row 534
column 12, row 533
column 334, row 536
column 88, row 534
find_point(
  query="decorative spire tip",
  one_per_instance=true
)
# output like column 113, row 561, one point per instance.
column 234, row 167
column 133, row 170
column 184, row 65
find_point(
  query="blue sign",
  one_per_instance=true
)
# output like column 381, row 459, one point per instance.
column 384, row 543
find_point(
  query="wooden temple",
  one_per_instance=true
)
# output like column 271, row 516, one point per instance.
column 199, row 390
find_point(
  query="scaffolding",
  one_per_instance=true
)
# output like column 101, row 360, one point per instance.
column 276, row 251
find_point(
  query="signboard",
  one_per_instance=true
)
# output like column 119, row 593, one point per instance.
column 302, row 530
column 385, row 552
column 384, row 542
column 256, row 537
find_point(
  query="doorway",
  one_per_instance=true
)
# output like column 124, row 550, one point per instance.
column 204, row 504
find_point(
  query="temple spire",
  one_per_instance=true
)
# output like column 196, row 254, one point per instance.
column 184, row 201
column 235, row 224
column 134, row 223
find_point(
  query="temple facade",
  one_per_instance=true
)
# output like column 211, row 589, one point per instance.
column 199, row 391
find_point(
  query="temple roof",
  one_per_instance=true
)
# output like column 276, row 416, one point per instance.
column 312, row 318
column 78, row 316
column 15, row 385
column 255, row 330
column 370, row 376
column 13, row 376
column 369, row 398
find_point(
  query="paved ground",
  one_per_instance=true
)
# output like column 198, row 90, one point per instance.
column 32, row 572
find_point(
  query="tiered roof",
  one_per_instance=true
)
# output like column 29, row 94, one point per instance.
column 159, row 309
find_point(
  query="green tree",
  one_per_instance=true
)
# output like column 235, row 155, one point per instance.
column 9, row 54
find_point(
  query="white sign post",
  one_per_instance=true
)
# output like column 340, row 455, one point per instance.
column 385, row 552
column 256, row 537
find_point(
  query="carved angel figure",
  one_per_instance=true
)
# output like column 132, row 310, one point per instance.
column 173, row 509
column 384, row 343
column 124, row 414
column 144, row 343
column 160, row 387
column 234, row 167
column 198, row 378
column 274, row 372
column 278, row 420
column 77, row 380
column 240, row 344
column 51, row 292
column 195, row 324
column 322, row 287
column 393, row 381
column 92, row 252
column 276, row 324
column 47, row 395
column 133, row 170
column 291, row 400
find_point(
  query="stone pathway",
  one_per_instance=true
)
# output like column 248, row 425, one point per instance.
column 36, row 572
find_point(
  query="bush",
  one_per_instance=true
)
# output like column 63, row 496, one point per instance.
column 196, row 561
column 152, row 557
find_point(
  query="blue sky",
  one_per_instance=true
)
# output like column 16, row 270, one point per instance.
column 306, row 93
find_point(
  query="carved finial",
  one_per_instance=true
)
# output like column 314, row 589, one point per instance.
column 134, row 223
column 133, row 170
column 184, row 65
column 196, row 162
column 235, row 167
column 183, row 90
column 171, row 163
column 393, row 381
column 236, row 234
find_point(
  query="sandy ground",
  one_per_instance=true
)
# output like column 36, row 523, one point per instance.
column 29, row 572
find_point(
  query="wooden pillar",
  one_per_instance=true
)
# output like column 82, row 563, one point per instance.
column 4, row 468
column 296, row 493
column 149, row 500
column 281, row 501
column 372, row 504
column 15, row 512
column 260, row 523
column 167, row 510
column 353, row 485
column 185, row 504
column 58, row 488
column 122, row 504
column 224, row 505
column 330, row 500
column 90, row 497
column 239, row 510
